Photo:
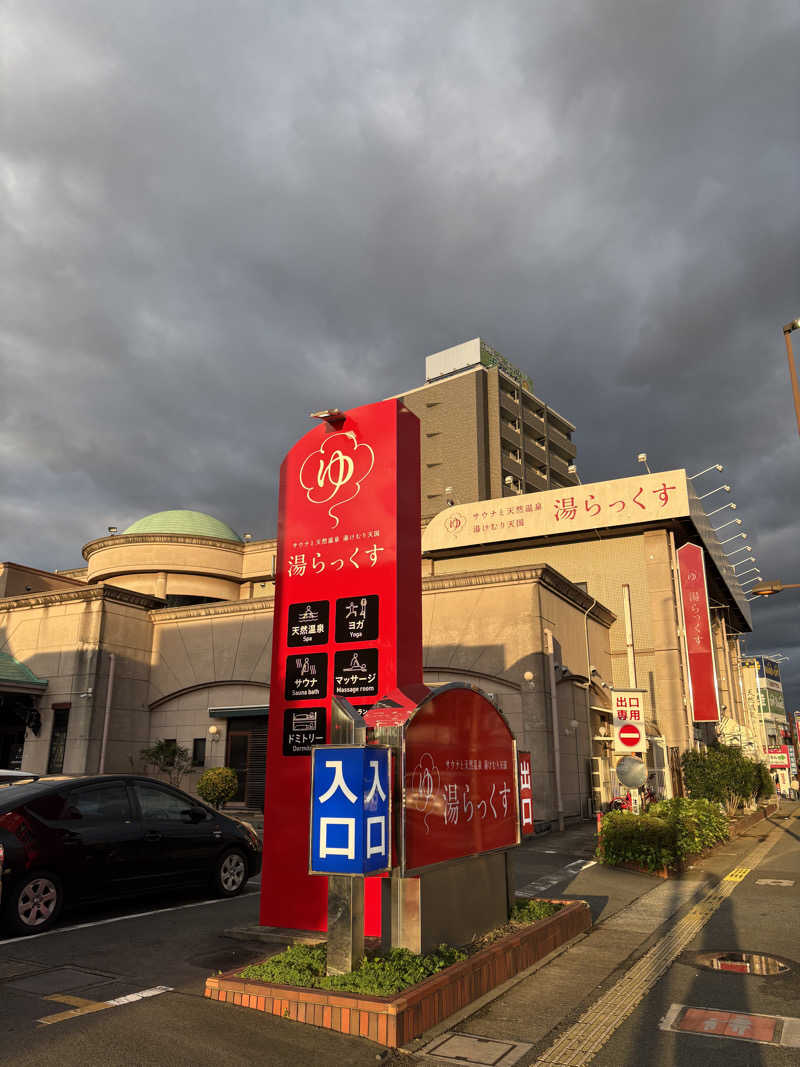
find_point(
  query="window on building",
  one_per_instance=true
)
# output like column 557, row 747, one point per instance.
column 199, row 752
column 58, row 739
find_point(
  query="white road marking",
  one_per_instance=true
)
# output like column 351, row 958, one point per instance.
column 547, row 881
column 774, row 881
column 156, row 991
column 81, row 1006
column 580, row 865
column 122, row 918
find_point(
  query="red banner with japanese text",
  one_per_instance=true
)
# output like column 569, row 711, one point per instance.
column 694, row 596
column 347, row 622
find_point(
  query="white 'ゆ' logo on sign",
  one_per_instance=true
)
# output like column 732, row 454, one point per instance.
column 333, row 474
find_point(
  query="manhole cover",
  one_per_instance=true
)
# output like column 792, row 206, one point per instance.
column 59, row 981
column 453, row 1047
column 742, row 963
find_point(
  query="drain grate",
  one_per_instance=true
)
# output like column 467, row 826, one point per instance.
column 459, row 1048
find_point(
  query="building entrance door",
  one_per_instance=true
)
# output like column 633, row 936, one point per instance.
column 12, row 731
column 246, row 753
column 236, row 758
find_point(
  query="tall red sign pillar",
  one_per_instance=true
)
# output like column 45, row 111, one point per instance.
column 347, row 622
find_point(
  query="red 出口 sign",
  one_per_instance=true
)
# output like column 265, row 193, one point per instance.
column 347, row 619
column 460, row 779
column 694, row 596
column 525, row 772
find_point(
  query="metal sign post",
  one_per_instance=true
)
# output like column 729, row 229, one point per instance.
column 350, row 838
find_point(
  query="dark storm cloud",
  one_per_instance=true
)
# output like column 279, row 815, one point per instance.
column 221, row 217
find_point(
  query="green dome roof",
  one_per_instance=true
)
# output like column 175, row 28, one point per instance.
column 195, row 523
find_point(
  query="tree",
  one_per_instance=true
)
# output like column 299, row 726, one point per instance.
column 169, row 758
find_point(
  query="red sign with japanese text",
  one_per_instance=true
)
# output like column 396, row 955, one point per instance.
column 525, row 774
column 348, row 606
column 460, row 779
column 778, row 757
column 627, row 707
column 694, row 596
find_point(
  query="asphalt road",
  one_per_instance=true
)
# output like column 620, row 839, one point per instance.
column 126, row 949
column 761, row 917
column 100, row 954
column 129, row 948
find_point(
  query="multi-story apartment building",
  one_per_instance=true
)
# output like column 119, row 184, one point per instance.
column 485, row 434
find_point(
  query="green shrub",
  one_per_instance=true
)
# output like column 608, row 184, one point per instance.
column 530, row 911
column 698, row 824
column 217, row 784
column 722, row 773
column 645, row 840
column 669, row 832
column 379, row 976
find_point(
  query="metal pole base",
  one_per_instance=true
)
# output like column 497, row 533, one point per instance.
column 345, row 923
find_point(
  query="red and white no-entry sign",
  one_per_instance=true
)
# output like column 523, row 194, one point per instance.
column 628, row 712
column 630, row 736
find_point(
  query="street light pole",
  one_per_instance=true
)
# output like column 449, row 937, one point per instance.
column 769, row 588
column 787, row 332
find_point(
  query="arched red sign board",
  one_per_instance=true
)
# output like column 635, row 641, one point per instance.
column 460, row 780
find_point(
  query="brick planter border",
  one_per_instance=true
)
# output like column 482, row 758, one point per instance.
column 393, row 1021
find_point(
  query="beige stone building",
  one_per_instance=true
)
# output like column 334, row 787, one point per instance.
column 547, row 601
column 166, row 633
column 484, row 433
column 618, row 540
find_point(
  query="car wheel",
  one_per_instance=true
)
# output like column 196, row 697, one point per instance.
column 230, row 875
column 34, row 903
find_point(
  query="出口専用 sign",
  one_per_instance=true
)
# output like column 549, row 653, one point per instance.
column 627, row 708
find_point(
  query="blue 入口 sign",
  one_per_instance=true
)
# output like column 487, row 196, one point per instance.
column 350, row 809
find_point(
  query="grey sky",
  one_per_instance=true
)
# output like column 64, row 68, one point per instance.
column 221, row 216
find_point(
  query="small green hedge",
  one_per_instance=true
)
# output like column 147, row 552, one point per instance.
column 217, row 785
column 530, row 911
column 380, row 976
column 664, row 837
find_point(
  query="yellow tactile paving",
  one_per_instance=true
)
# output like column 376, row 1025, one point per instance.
column 578, row 1045
column 737, row 874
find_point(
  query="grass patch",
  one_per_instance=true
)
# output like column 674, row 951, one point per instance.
column 383, row 976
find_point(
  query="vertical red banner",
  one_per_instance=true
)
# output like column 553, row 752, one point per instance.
column 694, row 596
column 525, row 773
column 347, row 622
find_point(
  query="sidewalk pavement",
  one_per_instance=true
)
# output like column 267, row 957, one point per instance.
column 630, row 911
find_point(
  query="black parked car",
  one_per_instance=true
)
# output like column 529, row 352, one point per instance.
column 85, row 839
